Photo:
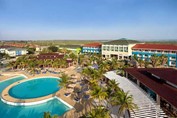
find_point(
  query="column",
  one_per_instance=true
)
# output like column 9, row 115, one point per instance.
column 126, row 74
column 138, row 82
column 158, row 99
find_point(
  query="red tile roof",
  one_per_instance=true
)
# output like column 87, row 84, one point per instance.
column 92, row 45
column 165, row 74
column 163, row 89
column 155, row 47
column 50, row 56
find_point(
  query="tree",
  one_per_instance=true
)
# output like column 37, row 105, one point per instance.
column 48, row 115
column 163, row 59
column 99, row 93
column 31, row 50
column 98, row 112
column 124, row 100
column 64, row 81
column 155, row 60
column 53, row 48
column 141, row 62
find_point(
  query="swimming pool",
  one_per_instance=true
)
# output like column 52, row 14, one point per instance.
column 54, row 106
column 35, row 88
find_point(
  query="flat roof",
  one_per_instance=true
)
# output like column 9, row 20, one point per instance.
column 166, row 91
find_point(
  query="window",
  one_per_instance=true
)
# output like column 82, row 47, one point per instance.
column 116, row 48
column 125, row 49
column 107, row 48
column 104, row 48
column 120, row 49
column 166, row 51
column 112, row 48
column 173, row 52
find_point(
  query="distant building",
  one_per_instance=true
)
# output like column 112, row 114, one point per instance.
column 13, row 52
column 53, row 56
column 159, row 83
column 120, row 49
column 91, row 48
column 145, row 51
column 23, row 45
column 3, row 48
column 45, row 56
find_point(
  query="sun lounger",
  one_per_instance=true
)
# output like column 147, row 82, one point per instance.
column 86, row 97
column 76, row 99
column 67, row 94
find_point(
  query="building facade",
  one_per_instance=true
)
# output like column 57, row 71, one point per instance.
column 91, row 48
column 145, row 51
column 158, row 83
column 120, row 49
column 13, row 52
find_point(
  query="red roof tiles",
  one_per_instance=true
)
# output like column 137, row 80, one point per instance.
column 92, row 45
column 155, row 47
column 163, row 89
column 50, row 56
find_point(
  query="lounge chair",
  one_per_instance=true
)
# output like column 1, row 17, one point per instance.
column 86, row 97
column 76, row 99
column 67, row 94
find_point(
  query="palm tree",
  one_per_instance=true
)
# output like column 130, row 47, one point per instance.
column 125, row 102
column 98, row 112
column 163, row 59
column 155, row 61
column 48, row 115
column 64, row 81
column 98, row 93
column 113, row 85
column 141, row 62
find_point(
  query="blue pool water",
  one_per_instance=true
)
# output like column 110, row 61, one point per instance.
column 7, row 111
column 35, row 88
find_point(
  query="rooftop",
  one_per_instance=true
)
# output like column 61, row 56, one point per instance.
column 155, row 46
column 122, row 41
column 15, row 49
column 92, row 45
column 157, row 79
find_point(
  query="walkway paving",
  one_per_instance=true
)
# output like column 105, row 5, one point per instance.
column 147, row 107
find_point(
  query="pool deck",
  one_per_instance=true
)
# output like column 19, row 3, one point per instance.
column 78, row 106
column 14, row 101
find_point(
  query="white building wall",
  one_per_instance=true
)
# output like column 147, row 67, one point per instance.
column 11, row 53
column 117, row 52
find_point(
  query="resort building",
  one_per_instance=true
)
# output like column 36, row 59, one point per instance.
column 147, row 107
column 145, row 51
column 45, row 56
column 120, row 49
column 91, row 48
column 12, row 51
column 23, row 45
column 3, row 48
column 53, row 56
column 158, row 83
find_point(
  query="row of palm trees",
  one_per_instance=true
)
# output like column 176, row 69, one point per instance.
column 31, row 63
column 111, row 93
column 154, row 61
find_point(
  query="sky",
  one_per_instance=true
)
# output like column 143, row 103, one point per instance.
column 88, row 19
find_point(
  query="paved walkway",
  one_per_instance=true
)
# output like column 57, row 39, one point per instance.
column 147, row 107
